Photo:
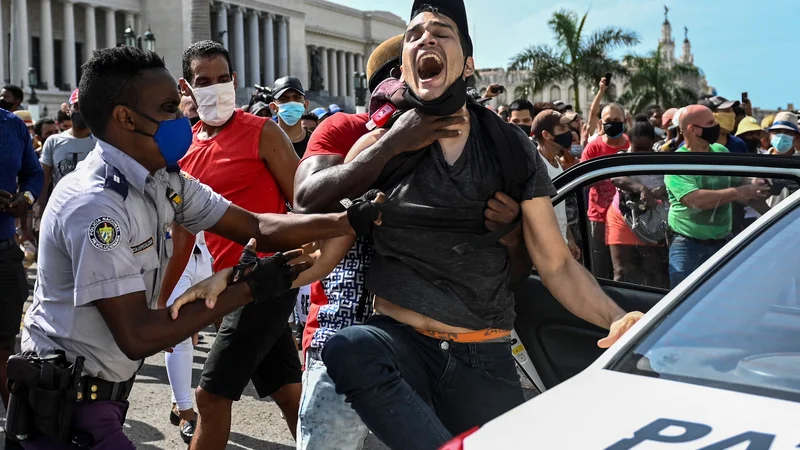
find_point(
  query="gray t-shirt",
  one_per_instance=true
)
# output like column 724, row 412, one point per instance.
column 415, row 267
column 63, row 152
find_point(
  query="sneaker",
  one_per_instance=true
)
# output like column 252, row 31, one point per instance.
column 187, row 430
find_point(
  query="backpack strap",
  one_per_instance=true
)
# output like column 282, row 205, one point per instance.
column 504, row 139
column 509, row 151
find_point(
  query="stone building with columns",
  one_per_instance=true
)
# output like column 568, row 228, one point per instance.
column 319, row 41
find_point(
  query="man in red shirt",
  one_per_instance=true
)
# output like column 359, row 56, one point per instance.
column 612, row 140
column 250, row 161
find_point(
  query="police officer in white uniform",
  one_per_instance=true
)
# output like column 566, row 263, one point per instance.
column 103, row 246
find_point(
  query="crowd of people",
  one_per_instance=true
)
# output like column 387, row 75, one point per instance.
column 414, row 220
column 654, row 230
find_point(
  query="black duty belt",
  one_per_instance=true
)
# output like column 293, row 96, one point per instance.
column 95, row 390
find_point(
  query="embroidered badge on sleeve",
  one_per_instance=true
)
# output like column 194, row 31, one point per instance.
column 104, row 234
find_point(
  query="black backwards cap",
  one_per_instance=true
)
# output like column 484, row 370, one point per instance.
column 455, row 10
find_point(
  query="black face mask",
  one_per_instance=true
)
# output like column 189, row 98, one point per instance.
column 77, row 121
column 564, row 139
column 5, row 105
column 525, row 129
column 752, row 144
column 194, row 120
column 447, row 104
column 710, row 134
column 614, row 129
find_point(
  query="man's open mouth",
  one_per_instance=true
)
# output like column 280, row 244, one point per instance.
column 429, row 66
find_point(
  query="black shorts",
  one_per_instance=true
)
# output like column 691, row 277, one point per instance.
column 254, row 343
column 13, row 289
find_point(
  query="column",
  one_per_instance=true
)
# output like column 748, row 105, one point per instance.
column 360, row 63
column 90, row 43
column 323, row 53
column 222, row 25
column 68, row 47
column 342, row 64
column 333, row 73
column 19, row 43
column 254, row 50
column 350, row 70
column 283, row 46
column 130, row 21
column 269, row 49
column 111, row 28
column 238, row 47
column 48, row 71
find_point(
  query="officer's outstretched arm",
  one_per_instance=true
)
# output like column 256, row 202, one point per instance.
column 279, row 232
column 140, row 331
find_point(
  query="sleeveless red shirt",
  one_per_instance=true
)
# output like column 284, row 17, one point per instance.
column 229, row 164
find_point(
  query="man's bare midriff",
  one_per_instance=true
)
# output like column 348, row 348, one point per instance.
column 413, row 318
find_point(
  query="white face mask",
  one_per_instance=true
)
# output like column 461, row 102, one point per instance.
column 215, row 103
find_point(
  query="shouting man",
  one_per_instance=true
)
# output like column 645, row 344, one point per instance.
column 437, row 359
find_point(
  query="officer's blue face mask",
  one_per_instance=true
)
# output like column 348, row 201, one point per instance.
column 782, row 142
column 290, row 113
column 173, row 137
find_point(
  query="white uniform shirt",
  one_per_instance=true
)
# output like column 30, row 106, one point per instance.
column 104, row 234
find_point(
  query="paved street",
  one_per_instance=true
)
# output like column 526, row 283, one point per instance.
column 257, row 424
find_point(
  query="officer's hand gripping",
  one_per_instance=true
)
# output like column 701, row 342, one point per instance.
column 365, row 212
column 267, row 278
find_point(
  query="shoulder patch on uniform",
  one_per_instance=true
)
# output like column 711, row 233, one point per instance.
column 104, row 234
column 116, row 181
column 139, row 248
column 186, row 175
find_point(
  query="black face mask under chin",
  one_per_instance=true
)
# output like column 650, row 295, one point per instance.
column 447, row 104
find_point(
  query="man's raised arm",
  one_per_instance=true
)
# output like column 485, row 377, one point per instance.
column 319, row 188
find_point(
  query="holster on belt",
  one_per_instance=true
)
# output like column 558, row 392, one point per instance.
column 44, row 393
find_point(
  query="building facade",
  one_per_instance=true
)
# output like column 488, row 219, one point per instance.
column 267, row 39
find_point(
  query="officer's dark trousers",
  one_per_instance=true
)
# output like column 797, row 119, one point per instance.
column 415, row 391
column 100, row 423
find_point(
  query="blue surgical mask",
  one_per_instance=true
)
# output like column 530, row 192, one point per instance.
column 782, row 142
column 173, row 137
column 290, row 113
column 576, row 150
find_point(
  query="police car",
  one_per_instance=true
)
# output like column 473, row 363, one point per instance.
column 714, row 364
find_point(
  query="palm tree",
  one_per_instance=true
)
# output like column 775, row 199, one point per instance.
column 653, row 81
column 575, row 57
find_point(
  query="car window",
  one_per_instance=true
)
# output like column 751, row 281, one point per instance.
column 655, row 230
column 740, row 329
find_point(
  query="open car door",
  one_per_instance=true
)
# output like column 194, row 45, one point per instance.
column 558, row 343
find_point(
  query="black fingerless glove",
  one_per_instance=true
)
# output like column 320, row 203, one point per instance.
column 362, row 212
column 268, row 278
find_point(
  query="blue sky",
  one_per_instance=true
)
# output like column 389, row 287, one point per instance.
column 741, row 45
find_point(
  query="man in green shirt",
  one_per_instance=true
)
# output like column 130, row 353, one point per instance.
column 700, row 205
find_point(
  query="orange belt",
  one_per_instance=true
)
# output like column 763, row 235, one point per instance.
column 488, row 334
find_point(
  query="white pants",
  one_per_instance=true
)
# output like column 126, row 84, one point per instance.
column 179, row 362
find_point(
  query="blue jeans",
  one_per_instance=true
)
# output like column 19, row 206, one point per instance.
column 686, row 255
column 418, row 392
column 326, row 422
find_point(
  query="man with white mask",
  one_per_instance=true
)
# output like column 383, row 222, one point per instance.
column 290, row 104
column 250, row 161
